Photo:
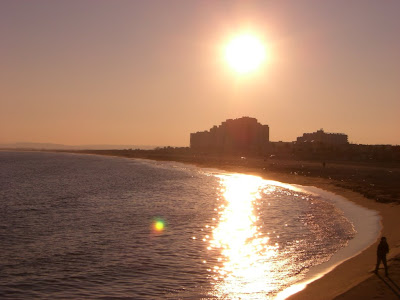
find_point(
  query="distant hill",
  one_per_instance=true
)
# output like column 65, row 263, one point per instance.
column 50, row 146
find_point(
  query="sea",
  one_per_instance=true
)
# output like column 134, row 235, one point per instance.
column 76, row 226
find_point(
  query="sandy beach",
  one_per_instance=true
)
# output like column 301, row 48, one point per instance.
column 354, row 278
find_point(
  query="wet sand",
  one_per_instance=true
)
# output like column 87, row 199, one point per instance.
column 373, row 186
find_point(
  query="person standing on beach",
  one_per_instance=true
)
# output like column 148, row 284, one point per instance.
column 383, row 249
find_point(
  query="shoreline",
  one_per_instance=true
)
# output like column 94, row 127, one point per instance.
column 348, row 280
column 367, row 229
column 357, row 269
column 350, row 271
column 354, row 270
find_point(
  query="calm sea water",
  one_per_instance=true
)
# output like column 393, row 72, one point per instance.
column 92, row 227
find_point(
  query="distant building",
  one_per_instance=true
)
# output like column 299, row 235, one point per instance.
column 322, row 137
column 235, row 136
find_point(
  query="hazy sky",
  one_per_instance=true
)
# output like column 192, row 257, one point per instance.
column 151, row 72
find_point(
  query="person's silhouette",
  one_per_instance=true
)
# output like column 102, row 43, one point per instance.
column 383, row 249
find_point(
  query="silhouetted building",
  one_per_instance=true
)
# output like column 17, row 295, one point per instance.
column 235, row 136
column 321, row 137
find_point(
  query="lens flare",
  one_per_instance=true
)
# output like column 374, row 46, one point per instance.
column 158, row 225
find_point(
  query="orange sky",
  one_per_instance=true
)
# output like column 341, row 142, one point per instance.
column 151, row 72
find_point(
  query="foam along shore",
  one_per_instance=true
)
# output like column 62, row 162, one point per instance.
column 358, row 268
column 366, row 222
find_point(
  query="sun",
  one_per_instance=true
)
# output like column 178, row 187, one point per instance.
column 245, row 53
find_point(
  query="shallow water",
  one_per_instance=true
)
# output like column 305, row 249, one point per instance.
column 76, row 226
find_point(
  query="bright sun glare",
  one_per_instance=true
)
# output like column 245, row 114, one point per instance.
column 245, row 53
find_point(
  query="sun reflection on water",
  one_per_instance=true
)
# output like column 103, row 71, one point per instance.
column 266, row 236
column 246, row 267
